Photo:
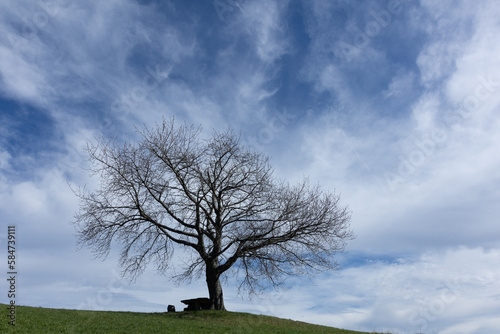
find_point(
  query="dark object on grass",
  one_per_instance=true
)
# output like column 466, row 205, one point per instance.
column 197, row 304
column 171, row 308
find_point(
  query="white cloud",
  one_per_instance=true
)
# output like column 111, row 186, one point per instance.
column 425, row 113
column 21, row 79
column 402, row 84
column 445, row 195
column 436, row 62
column 4, row 160
column 411, row 296
column 31, row 199
column 427, row 163
column 332, row 79
column 412, row 201
column 263, row 22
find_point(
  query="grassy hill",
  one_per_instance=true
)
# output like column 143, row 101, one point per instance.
column 42, row 320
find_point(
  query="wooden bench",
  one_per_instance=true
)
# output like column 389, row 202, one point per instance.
column 196, row 304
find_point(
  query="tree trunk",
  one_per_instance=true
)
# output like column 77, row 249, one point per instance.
column 214, row 288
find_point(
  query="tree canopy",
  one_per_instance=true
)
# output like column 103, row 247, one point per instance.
column 213, row 197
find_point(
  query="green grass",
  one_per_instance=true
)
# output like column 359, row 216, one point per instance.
column 43, row 320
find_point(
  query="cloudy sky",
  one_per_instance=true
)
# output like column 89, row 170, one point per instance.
column 393, row 104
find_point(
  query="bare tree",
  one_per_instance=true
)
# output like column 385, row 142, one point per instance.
column 213, row 197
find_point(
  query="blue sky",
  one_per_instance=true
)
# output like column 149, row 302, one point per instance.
column 392, row 104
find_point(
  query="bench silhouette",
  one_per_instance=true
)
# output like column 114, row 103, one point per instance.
column 196, row 304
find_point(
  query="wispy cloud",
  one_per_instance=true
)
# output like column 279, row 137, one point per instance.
column 392, row 104
column 423, row 294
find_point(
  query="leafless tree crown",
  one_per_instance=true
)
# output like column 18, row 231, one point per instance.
column 216, row 198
